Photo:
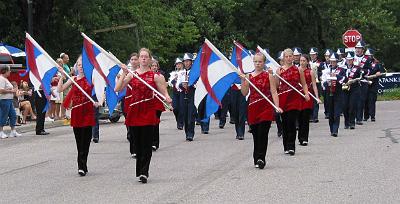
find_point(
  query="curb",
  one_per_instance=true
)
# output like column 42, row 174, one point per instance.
column 31, row 126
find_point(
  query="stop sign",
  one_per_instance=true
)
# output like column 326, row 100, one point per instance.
column 351, row 37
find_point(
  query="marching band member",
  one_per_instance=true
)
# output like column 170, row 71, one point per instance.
column 323, row 69
column 307, row 106
column 82, row 113
column 377, row 70
column 314, row 64
column 342, row 58
column 141, row 111
column 187, row 97
column 278, row 116
column 364, row 62
column 333, row 83
column 176, row 93
column 351, row 90
column 290, row 100
column 132, row 65
column 260, row 112
column 296, row 56
column 155, row 67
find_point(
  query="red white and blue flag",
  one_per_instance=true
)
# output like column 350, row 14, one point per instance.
column 242, row 58
column 101, row 70
column 213, row 77
column 40, row 65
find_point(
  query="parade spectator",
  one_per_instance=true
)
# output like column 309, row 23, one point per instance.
column 55, row 95
column 70, row 71
column 25, row 106
column 7, row 111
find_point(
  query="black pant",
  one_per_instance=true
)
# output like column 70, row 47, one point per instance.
column 335, row 109
column 278, row 120
column 239, row 106
column 371, row 102
column 361, row 101
column 304, row 124
column 143, row 140
column 315, row 111
column 260, row 139
column 83, row 135
column 40, row 103
column 156, row 138
column 289, row 129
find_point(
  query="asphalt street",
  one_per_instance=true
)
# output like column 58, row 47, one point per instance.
column 359, row 166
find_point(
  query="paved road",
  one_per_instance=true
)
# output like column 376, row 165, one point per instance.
column 360, row 166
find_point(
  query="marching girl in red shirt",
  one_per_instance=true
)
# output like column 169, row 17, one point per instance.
column 290, row 100
column 260, row 112
column 307, row 106
column 82, row 113
column 155, row 67
column 141, row 111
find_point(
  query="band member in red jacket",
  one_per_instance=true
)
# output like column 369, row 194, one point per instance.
column 141, row 111
column 82, row 113
column 260, row 112
column 307, row 106
column 290, row 100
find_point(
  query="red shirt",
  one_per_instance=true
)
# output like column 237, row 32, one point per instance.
column 310, row 103
column 141, row 109
column 289, row 99
column 259, row 109
column 82, row 113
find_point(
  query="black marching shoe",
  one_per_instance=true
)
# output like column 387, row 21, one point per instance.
column 95, row 140
column 179, row 128
column 154, row 148
column 316, row 121
column 334, row 134
column 352, row 127
column 291, row 152
column 372, row 119
column 240, row 137
column 42, row 133
column 260, row 163
column 359, row 123
column 189, row 139
column 81, row 172
column 303, row 143
column 143, row 178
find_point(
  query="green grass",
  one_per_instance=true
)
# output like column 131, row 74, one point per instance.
column 390, row 95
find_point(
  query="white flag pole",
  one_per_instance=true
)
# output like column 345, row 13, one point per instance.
column 222, row 57
column 56, row 65
column 315, row 98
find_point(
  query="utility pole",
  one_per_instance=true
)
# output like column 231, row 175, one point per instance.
column 30, row 23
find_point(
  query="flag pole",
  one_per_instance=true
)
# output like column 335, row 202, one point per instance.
column 276, row 65
column 56, row 65
column 162, row 101
column 222, row 57
column 315, row 98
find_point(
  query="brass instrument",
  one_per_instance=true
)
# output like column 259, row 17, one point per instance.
column 346, row 86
